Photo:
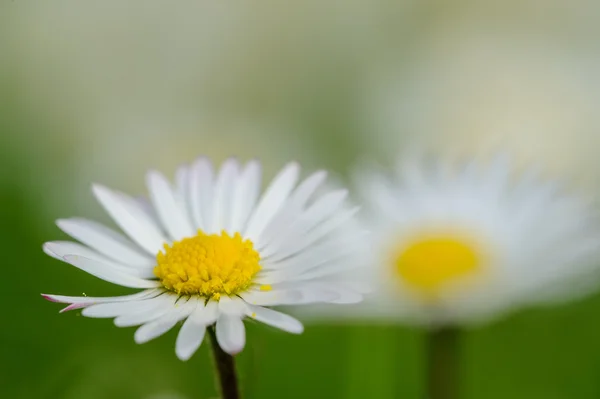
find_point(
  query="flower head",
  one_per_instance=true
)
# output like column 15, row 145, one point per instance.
column 212, row 251
column 460, row 243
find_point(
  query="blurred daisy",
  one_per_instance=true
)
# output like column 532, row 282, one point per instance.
column 210, row 251
column 455, row 244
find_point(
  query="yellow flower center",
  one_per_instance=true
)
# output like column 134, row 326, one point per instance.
column 429, row 264
column 208, row 265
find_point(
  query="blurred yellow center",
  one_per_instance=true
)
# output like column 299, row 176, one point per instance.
column 208, row 265
column 431, row 263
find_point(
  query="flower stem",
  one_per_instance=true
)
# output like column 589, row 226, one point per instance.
column 443, row 363
column 225, row 365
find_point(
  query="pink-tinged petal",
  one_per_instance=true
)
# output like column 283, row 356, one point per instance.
column 74, row 306
column 50, row 298
column 92, row 300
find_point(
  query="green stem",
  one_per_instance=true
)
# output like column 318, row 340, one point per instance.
column 225, row 365
column 443, row 362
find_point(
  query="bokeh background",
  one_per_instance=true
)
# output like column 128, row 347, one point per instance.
column 102, row 91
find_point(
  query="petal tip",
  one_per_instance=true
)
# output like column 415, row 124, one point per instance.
column 49, row 298
column 299, row 329
column 321, row 173
column 101, row 192
column 183, row 356
column 153, row 175
column 98, row 188
column 202, row 160
column 61, row 222
column 47, row 247
column 73, row 306
column 235, row 351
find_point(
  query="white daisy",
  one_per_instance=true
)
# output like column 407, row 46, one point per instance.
column 210, row 251
column 459, row 243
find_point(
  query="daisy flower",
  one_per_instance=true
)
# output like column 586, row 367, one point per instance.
column 210, row 251
column 462, row 243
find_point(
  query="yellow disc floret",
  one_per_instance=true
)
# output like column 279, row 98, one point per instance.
column 430, row 263
column 208, row 265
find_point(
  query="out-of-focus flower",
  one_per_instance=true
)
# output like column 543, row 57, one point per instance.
column 210, row 251
column 464, row 243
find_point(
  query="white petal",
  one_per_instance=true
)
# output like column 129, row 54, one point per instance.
column 189, row 339
column 105, row 240
column 154, row 329
column 295, row 246
column 209, row 314
column 346, row 295
column 118, row 308
column 275, row 319
column 245, row 195
column 201, row 193
column 92, row 300
column 322, row 208
column 192, row 332
column 182, row 191
column 307, row 188
column 232, row 306
column 267, row 277
column 320, row 253
column 328, row 269
column 170, row 213
column 152, row 311
column 100, row 270
column 295, row 205
column 147, row 209
column 361, row 287
column 319, row 211
column 231, row 334
column 317, row 293
column 271, row 298
column 60, row 249
column 223, row 196
column 128, row 214
column 114, row 309
column 272, row 200
column 158, row 327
